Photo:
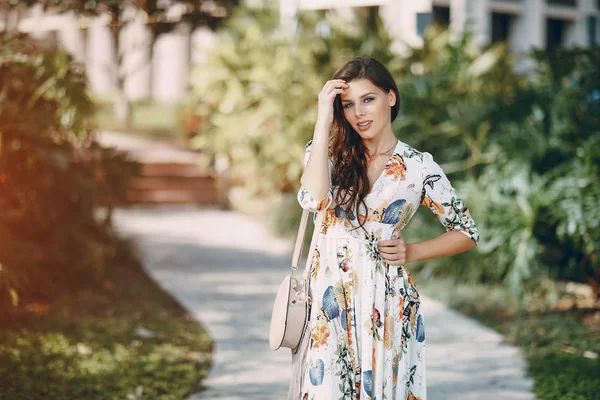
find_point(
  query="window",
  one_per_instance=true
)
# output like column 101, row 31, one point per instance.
column 555, row 33
column 592, row 28
column 567, row 3
column 423, row 20
column 441, row 15
column 501, row 24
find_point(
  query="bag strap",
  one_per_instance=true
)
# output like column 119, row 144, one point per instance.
column 300, row 241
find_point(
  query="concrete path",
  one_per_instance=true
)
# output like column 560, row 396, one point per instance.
column 225, row 269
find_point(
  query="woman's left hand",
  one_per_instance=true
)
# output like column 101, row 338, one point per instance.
column 393, row 251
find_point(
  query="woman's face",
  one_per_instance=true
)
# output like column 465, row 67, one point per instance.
column 367, row 108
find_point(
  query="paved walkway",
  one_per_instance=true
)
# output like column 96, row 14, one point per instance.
column 225, row 269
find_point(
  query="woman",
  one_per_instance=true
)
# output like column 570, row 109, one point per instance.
column 365, row 338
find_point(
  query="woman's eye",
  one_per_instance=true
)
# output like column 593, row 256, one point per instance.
column 367, row 100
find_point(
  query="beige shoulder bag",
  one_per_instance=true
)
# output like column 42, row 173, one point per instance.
column 290, row 311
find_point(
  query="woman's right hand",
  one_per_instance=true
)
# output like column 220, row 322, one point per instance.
column 326, row 98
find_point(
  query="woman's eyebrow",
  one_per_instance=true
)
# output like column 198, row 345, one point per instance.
column 364, row 95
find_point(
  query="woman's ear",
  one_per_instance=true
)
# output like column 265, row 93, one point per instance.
column 392, row 98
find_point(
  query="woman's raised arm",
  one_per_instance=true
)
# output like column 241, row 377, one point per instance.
column 315, row 178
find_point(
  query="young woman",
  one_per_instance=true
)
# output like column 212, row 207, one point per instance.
column 366, row 338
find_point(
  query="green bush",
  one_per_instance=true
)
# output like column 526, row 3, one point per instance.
column 567, row 87
column 521, row 150
column 456, row 96
column 458, row 100
column 54, row 177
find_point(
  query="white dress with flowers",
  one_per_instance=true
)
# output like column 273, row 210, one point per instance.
column 366, row 335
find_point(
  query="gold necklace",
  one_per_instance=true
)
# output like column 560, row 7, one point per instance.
column 380, row 154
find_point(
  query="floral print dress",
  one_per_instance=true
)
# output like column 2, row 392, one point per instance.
column 365, row 338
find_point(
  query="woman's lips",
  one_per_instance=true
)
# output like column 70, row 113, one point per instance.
column 364, row 127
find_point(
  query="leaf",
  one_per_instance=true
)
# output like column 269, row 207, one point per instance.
column 430, row 180
column 406, row 214
column 340, row 295
column 330, row 303
column 395, row 367
column 388, row 332
column 355, row 281
column 420, row 329
column 344, row 213
column 367, row 382
column 391, row 215
column 317, row 372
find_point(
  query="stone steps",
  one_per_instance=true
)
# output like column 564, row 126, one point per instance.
column 169, row 174
column 174, row 183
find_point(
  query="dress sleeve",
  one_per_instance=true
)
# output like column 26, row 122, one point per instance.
column 440, row 197
column 306, row 201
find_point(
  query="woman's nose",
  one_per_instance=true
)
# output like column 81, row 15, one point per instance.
column 358, row 111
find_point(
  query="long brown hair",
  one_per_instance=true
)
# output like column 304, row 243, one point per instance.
column 348, row 152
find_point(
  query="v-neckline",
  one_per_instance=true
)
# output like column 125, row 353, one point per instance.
column 385, row 167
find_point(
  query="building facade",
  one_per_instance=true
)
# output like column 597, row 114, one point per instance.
column 523, row 24
column 158, row 70
column 151, row 69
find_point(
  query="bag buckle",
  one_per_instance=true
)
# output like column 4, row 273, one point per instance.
column 301, row 297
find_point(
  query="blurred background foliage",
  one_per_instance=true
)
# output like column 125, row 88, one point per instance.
column 520, row 150
column 79, row 317
column 517, row 137
column 255, row 96
column 57, row 185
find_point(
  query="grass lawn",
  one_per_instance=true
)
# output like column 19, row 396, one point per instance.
column 126, row 339
column 556, row 343
column 149, row 120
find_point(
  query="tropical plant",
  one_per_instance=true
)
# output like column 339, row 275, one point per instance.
column 529, row 159
column 567, row 85
column 455, row 97
column 506, row 202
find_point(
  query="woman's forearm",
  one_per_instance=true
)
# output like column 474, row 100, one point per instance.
column 446, row 244
column 315, row 178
